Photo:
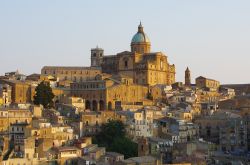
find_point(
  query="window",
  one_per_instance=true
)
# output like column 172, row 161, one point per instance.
column 126, row 64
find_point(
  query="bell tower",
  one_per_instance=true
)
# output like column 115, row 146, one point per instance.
column 96, row 57
column 187, row 77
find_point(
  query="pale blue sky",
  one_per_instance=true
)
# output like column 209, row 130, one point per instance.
column 212, row 37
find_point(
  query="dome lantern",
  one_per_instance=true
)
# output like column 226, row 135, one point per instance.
column 140, row 42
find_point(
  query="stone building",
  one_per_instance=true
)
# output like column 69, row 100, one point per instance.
column 177, row 130
column 226, row 129
column 91, row 122
column 233, row 136
column 142, row 65
column 74, row 74
column 157, row 147
column 15, row 115
column 125, row 77
column 16, row 133
column 5, row 94
column 110, row 92
column 20, row 90
column 117, row 81
column 65, row 154
column 203, row 82
column 204, row 96
column 3, row 120
column 42, row 129
column 14, row 122
column 113, row 157
column 144, row 125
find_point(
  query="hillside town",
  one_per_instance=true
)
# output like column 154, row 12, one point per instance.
column 123, row 109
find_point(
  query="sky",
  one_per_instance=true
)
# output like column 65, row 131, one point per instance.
column 211, row 37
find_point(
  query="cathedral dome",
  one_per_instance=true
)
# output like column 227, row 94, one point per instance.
column 140, row 36
column 140, row 42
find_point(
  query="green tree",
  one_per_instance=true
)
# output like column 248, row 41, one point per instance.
column 149, row 96
column 44, row 95
column 113, row 137
column 125, row 146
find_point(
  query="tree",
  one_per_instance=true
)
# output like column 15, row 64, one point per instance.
column 125, row 146
column 149, row 96
column 113, row 129
column 44, row 95
column 113, row 138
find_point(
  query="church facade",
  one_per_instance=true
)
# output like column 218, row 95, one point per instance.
column 142, row 65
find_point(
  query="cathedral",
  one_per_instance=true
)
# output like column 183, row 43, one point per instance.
column 143, row 66
column 118, row 81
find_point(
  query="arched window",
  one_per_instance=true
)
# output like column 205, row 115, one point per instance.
column 125, row 60
column 161, row 64
column 94, row 105
column 101, row 105
column 109, row 105
column 126, row 64
column 87, row 104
